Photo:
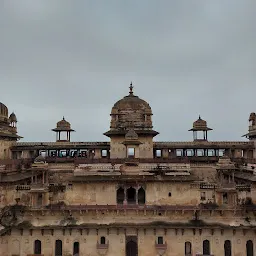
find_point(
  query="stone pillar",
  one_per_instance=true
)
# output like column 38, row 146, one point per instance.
column 137, row 196
column 165, row 153
column 125, row 196
column 97, row 153
column 173, row 153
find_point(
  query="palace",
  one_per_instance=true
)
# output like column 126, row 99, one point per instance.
column 129, row 196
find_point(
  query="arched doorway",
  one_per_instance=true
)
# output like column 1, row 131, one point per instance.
column 141, row 196
column 131, row 246
column 131, row 195
column 249, row 248
column 120, row 196
column 227, row 248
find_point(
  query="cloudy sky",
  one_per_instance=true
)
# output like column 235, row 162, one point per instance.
column 77, row 58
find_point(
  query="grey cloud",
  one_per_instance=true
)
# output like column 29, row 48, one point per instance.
column 76, row 58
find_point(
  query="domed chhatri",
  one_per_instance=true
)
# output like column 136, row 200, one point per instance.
column 131, row 111
column 200, row 128
column 8, row 127
column 251, row 135
column 63, row 126
column 13, row 118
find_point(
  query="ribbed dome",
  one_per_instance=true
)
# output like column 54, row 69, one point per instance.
column 200, row 125
column 63, row 124
column 131, row 102
column 131, row 111
column 3, row 110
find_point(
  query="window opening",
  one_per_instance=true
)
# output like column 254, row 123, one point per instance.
column 131, row 195
column 37, row 247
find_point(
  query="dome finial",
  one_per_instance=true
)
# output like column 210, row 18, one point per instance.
column 131, row 89
column 199, row 117
column 63, row 118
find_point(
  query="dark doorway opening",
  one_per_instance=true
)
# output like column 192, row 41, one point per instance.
column 227, row 248
column 120, row 196
column 58, row 248
column 206, row 247
column 76, row 249
column 141, row 196
column 37, row 247
column 131, row 195
column 249, row 248
column 131, row 246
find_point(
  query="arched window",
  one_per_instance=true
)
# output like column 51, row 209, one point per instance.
column 131, row 195
column 120, row 196
column 249, row 248
column 227, row 248
column 76, row 249
column 58, row 248
column 206, row 247
column 141, row 196
column 37, row 247
column 103, row 240
column 188, row 249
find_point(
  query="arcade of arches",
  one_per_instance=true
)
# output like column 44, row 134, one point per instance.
column 131, row 247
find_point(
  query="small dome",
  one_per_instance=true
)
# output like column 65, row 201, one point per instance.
column 131, row 135
column 13, row 118
column 200, row 125
column 3, row 110
column 63, row 125
column 39, row 159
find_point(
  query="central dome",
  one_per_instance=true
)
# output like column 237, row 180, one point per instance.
column 131, row 112
column 131, row 102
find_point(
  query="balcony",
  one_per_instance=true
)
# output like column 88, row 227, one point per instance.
column 39, row 188
column 161, row 248
column 102, row 249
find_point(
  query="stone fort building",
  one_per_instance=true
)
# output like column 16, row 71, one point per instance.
column 129, row 196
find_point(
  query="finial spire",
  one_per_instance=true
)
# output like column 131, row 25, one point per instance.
column 131, row 89
column 63, row 118
column 199, row 117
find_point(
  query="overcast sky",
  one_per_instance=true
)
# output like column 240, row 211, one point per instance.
column 77, row 58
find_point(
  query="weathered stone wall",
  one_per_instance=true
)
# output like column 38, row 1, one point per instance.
column 92, row 193
column 22, row 245
column 157, row 193
column 144, row 150
column 206, row 172
column 5, row 152
column 170, row 193
column 7, row 195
